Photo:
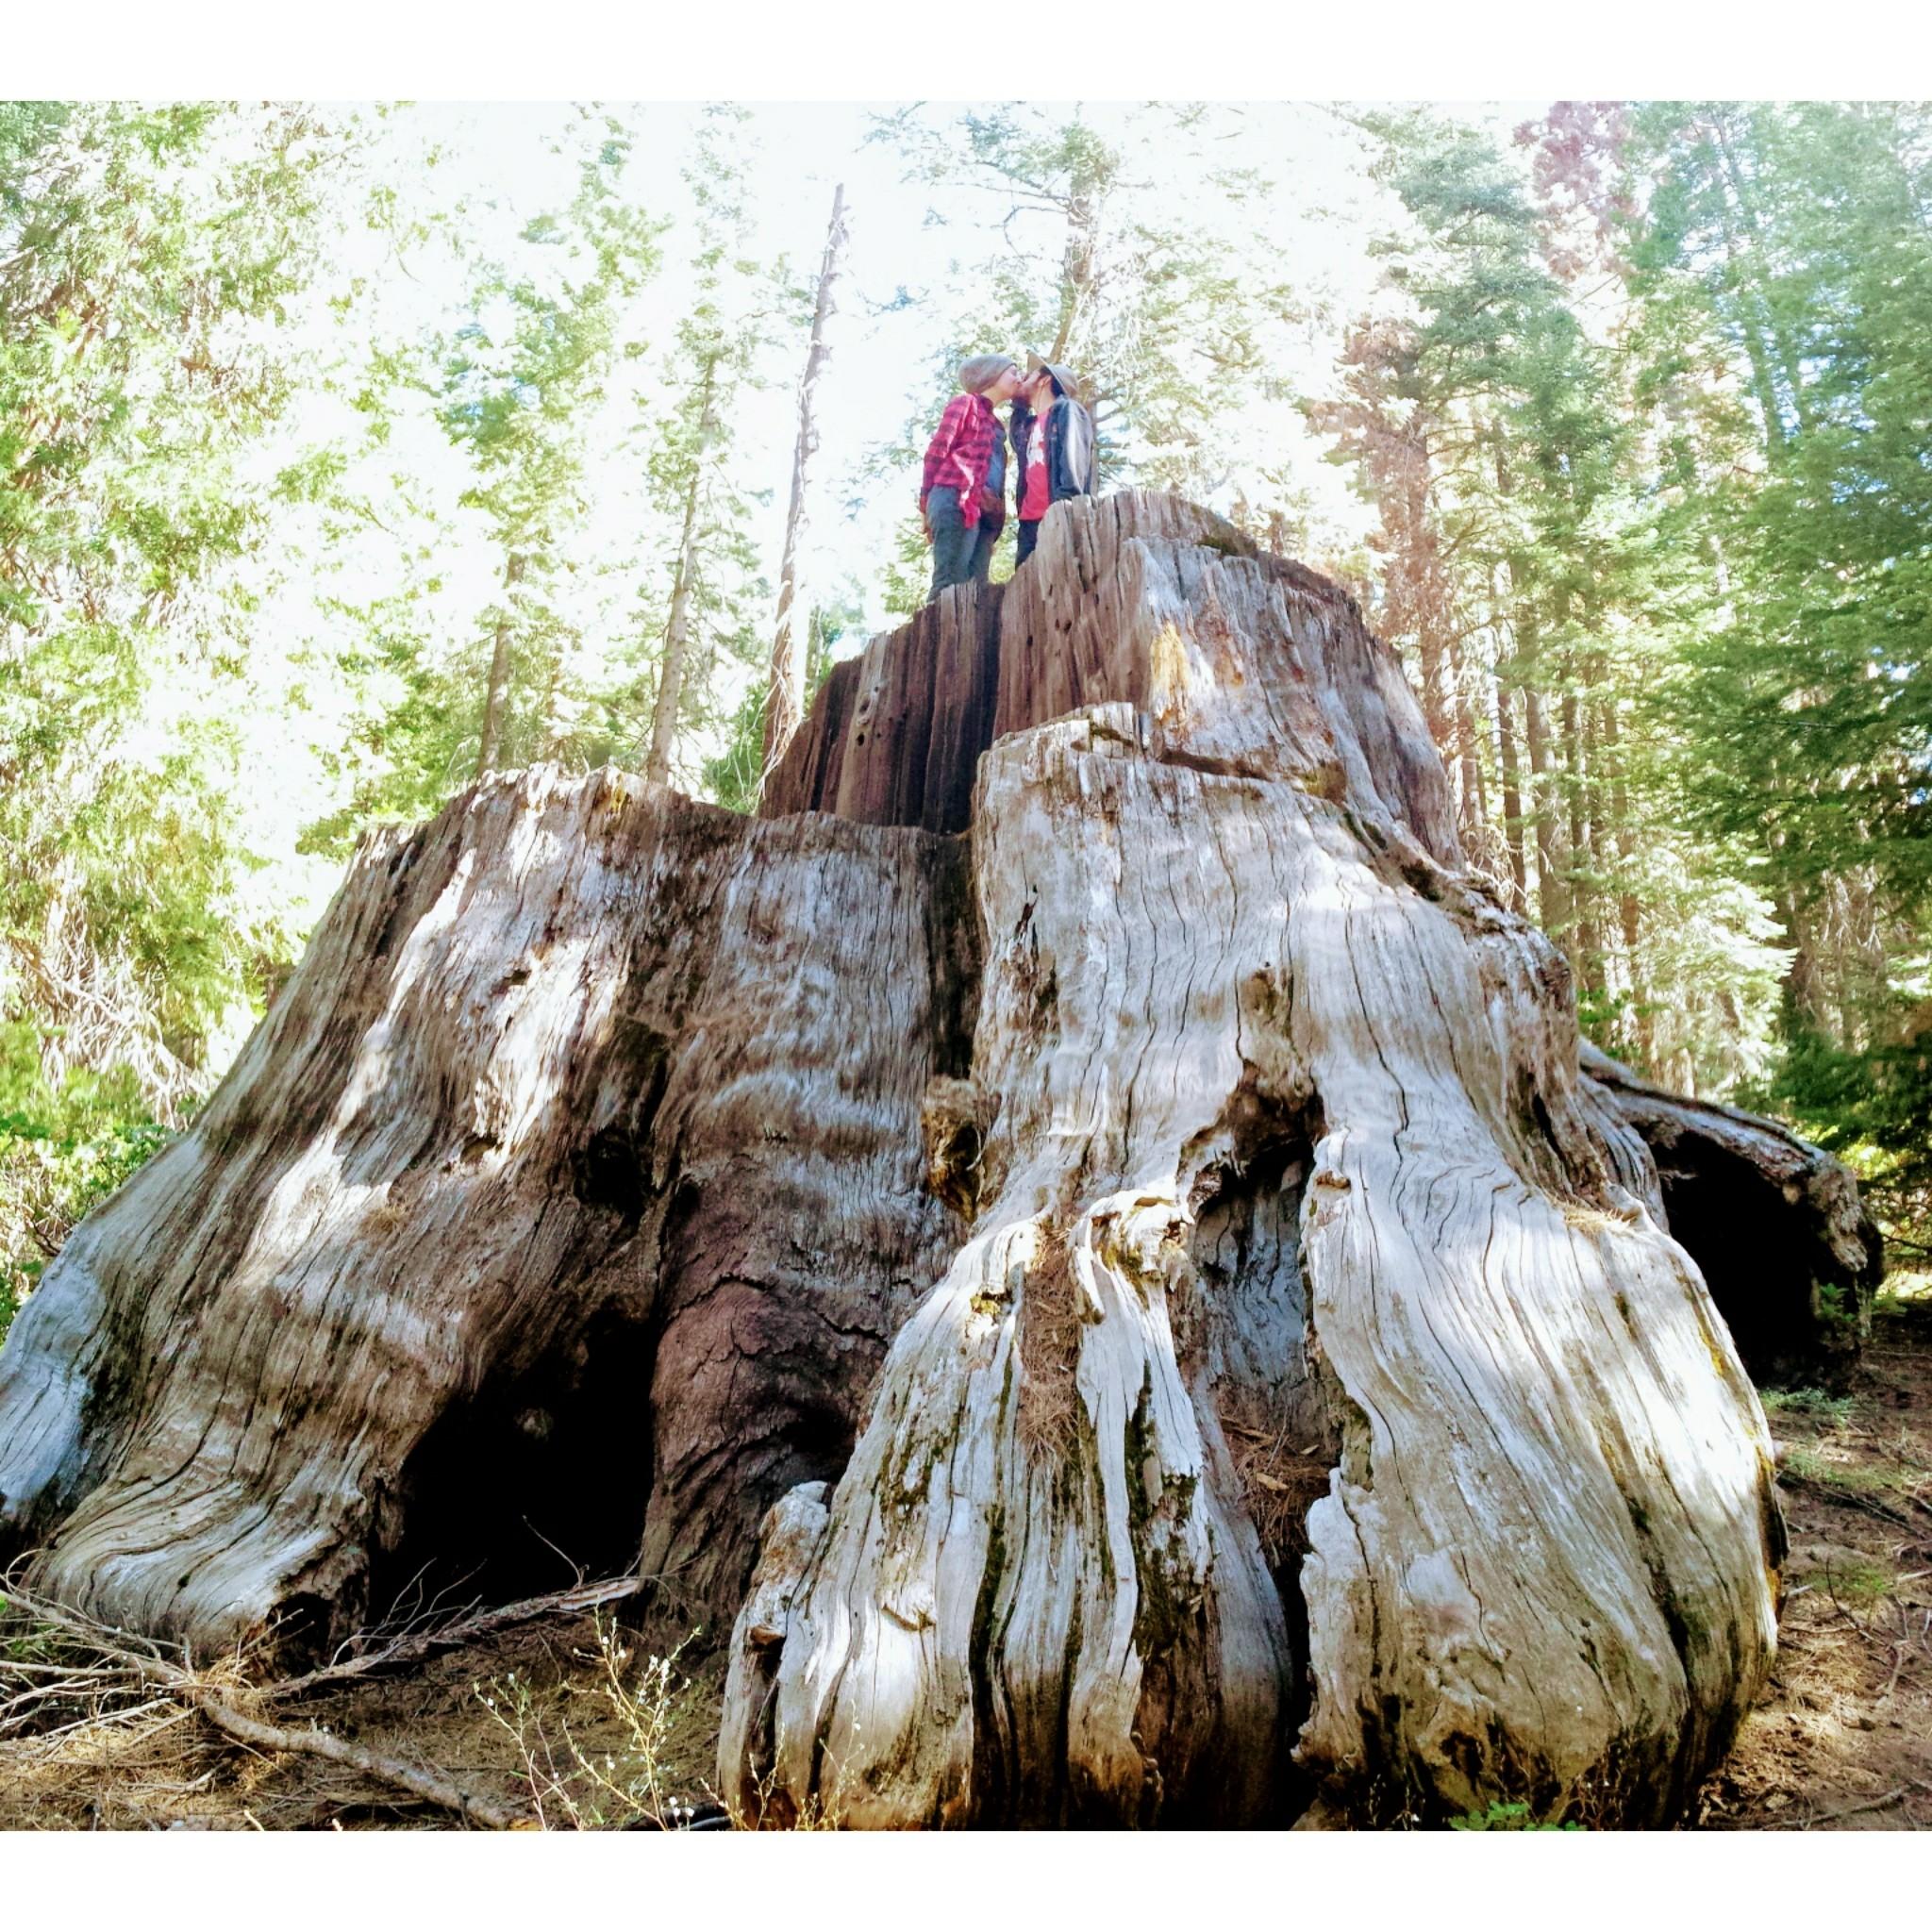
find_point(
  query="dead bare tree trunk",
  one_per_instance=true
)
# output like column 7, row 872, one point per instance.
column 1512, row 795
column 1473, row 800
column 785, row 705
column 664, row 715
column 1282, row 1389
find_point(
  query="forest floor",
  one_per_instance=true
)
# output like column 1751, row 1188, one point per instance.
column 1843, row 1738
column 565, row 1718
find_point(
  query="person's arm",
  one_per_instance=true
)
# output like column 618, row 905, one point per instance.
column 1069, row 451
column 940, row 450
column 1079, row 448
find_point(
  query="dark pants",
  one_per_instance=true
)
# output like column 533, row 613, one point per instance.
column 1028, row 537
column 959, row 553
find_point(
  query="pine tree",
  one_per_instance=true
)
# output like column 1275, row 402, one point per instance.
column 520, row 378
column 714, row 584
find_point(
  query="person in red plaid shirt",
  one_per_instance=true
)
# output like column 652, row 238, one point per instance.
column 962, row 492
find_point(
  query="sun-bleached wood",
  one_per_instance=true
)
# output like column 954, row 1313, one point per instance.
column 1089, row 1170
column 571, row 1190
column 1227, row 936
column 785, row 688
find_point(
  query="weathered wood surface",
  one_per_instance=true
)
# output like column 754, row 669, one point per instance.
column 1121, row 603
column 570, row 1192
column 1790, row 1254
column 1544, row 1556
column 1292, row 1393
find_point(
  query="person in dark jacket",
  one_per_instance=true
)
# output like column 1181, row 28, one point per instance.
column 1053, row 447
column 962, row 490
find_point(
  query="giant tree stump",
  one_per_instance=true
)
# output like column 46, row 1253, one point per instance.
column 1091, row 1163
column 568, row 1196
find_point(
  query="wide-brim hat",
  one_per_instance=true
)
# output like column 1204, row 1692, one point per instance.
column 1059, row 370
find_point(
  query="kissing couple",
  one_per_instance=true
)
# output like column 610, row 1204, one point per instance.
column 962, row 493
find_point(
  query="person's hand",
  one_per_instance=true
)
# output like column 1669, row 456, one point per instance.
column 924, row 523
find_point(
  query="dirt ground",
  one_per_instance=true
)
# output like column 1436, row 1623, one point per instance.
column 1842, row 1740
column 570, row 1719
column 566, row 1721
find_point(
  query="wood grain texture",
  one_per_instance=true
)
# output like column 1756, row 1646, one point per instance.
column 570, row 1188
column 1198, row 1345
column 1225, row 932
column 1120, row 604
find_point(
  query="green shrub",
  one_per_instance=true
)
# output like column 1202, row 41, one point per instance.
column 62, row 1152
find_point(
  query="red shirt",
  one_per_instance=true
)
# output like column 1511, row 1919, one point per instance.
column 1033, row 499
column 957, row 457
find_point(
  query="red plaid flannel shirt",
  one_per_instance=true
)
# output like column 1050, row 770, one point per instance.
column 957, row 457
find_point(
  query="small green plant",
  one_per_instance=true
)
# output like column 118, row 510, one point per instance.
column 1833, row 1309
column 1803, row 1465
column 1856, row 1583
column 1510, row 1817
column 1808, row 1402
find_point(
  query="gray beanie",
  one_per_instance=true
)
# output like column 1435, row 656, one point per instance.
column 979, row 374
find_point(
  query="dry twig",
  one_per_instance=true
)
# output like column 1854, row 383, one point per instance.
column 86, row 1676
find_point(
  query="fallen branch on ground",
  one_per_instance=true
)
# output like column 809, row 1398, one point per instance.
column 1848, row 1498
column 118, row 1659
column 1851, row 1810
column 468, row 1628
column 416, row 1779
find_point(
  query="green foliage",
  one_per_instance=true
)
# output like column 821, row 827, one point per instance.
column 62, row 1150
column 1785, row 266
column 1858, row 1583
column 1522, row 559
column 715, row 360
column 146, row 257
column 1505, row 1817
column 1870, row 1106
column 1815, row 1403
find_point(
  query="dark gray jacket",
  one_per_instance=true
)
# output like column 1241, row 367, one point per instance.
column 1068, row 449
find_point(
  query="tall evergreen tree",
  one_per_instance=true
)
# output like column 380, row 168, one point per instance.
column 714, row 583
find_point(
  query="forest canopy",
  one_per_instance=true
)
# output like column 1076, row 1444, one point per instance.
column 346, row 453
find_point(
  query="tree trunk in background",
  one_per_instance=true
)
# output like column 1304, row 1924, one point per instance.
column 1512, row 796
column 677, row 631
column 1552, row 904
column 1585, row 947
column 785, row 704
column 1762, row 384
column 1628, row 918
column 1199, row 1345
column 1085, row 198
column 1475, row 803
column 499, row 675
column 1743, row 196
